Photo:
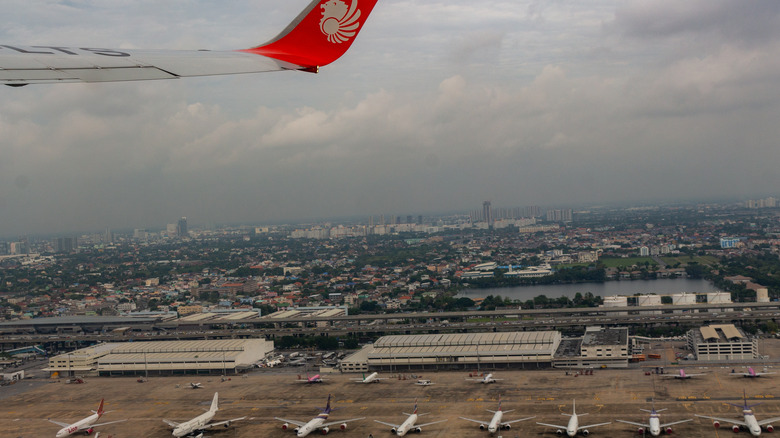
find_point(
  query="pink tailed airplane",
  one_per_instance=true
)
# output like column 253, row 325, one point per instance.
column 681, row 375
column 317, row 37
column 751, row 374
column 313, row 379
column 85, row 426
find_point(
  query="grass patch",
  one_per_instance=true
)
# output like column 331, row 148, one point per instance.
column 685, row 260
column 626, row 262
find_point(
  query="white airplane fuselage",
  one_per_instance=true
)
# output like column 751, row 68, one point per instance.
column 406, row 426
column 196, row 423
column 751, row 422
column 495, row 422
column 78, row 426
column 574, row 424
column 311, row 426
column 655, row 425
column 371, row 378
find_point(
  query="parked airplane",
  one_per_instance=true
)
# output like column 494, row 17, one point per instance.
column 371, row 378
column 751, row 374
column 201, row 422
column 196, row 385
column 86, row 425
column 681, row 375
column 319, row 35
column 424, row 383
column 313, row 379
column 654, row 426
column 409, row 424
column 573, row 427
column 487, row 379
column 496, row 423
column 749, row 419
column 318, row 422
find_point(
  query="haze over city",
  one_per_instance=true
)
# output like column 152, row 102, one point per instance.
column 437, row 107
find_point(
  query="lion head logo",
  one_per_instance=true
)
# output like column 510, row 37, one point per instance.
column 339, row 21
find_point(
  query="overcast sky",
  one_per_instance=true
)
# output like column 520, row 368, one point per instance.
column 438, row 106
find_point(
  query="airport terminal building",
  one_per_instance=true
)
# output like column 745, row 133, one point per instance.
column 506, row 350
column 228, row 356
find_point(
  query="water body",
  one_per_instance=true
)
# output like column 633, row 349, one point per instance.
column 609, row 288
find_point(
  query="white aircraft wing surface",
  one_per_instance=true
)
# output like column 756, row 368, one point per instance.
column 220, row 423
column 318, row 36
column 676, row 422
column 769, row 420
column 428, row 424
column 173, row 424
column 593, row 425
column 725, row 420
column 59, row 423
column 634, row 424
column 295, row 422
column 516, row 421
column 388, row 424
column 110, row 422
column 557, row 426
column 340, row 422
column 475, row 421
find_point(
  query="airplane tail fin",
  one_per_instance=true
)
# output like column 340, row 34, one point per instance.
column 214, row 403
column 319, row 35
column 499, row 402
column 100, row 410
column 415, row 406
column 327, row 406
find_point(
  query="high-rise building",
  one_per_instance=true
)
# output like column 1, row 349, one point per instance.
column 487, row 213
column 65, row 244
column 181, row 228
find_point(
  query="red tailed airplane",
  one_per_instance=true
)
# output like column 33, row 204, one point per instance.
column 320, row 34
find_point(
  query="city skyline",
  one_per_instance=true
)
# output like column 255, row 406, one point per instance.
column 522, row 103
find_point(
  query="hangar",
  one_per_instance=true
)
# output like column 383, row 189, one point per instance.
column 456, row 351
column 164, row 357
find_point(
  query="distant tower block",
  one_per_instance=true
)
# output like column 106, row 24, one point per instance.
column 762, row 295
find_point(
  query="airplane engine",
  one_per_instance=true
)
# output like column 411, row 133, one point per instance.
column 343, row 426
column 641, row 431
column 325, row 430
column 89, row 431
column 585, row 432
column 227, row 425
column 668, row 430
column 735, row 429
column 285, row 426
column 392, row 430
column 418, row 430
column 770, row 428
column 716, row 424
column 559, row 432
column 507, row 426
column 482, row 427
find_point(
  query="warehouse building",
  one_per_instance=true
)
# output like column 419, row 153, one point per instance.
column 456, row 351
column 721, row 342
column 227, row 356
column 599, row 347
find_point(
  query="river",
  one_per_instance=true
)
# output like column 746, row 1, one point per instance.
column 609, row 288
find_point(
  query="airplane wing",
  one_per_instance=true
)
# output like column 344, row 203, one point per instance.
column 474, row 421
column 636, row 424
column 297, row 423
column 341, row 422
column 173, row 424
column 318, row 36
column 110, row 422
column 725, row 420
column 676, row 422
column 593, row 425
column 557, row 426
column 516, row 421
column 388, row 424
column 428, row 424
column 220, row 423
column 769, row 420
column 59, row 423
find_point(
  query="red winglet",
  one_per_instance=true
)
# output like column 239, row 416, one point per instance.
column 319, row 35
